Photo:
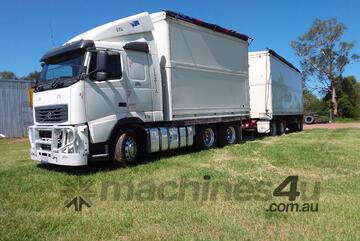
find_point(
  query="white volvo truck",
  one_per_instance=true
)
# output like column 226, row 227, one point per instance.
column 141, row 84
column 276, row 94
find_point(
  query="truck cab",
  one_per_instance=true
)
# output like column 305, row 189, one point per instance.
column 87, row 85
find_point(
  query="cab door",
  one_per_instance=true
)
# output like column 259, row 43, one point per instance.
column 106, row 98
column 138, row 83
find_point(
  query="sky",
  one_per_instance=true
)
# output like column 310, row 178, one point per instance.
column 30, row 28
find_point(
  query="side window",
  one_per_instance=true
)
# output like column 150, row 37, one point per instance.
column 113, row 65
column 137, row 63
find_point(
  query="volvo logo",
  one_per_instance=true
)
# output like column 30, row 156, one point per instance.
column 49, row 115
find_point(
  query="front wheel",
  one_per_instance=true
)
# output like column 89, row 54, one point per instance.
column 126, row 150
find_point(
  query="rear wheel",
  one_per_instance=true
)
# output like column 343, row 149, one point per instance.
column 300, row 124
column 297, row 126
column 229, row 134
column 206, row 137
column 273, row 128
column 126, row 150
column 281, row 127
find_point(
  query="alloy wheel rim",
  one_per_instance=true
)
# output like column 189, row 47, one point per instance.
column 230, row 135
column 208, row 137
column 130, row 149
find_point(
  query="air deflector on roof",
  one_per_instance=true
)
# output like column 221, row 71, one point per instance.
column 80, row 45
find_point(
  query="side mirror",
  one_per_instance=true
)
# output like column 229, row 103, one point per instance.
column 101, row 76
column 101, row 61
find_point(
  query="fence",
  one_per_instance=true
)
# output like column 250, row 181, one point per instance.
column 15, row 113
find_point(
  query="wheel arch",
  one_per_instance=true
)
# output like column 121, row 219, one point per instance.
column 132, row 123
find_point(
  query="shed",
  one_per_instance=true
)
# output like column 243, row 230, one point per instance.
column 15, row 112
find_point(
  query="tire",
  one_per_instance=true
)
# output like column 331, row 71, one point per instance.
column 206, row 137
column 293, row 127
column 126, row 150
column 281, row 127
column 297, row 126
column 229, row 134
column 273, row 128
column 300, row 124
column 309, row 119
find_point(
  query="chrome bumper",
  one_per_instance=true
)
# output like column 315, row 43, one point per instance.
column 61, row 145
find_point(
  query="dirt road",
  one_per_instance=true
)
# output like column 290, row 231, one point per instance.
column 332, row 126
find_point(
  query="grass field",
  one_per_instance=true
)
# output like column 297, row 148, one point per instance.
column 32, row 196
column 346, row 120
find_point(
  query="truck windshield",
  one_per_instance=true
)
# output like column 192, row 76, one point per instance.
column 62, row 68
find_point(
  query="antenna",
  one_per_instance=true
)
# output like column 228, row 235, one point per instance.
column 51, row 33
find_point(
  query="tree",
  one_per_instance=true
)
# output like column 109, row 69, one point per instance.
column 323, row 56
column 311, row 103
column 348, row 97
column 35, row 76
column 357, row 91
column 7, row 75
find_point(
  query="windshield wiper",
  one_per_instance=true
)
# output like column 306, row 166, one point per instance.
column 39, row 88
column 56, row 82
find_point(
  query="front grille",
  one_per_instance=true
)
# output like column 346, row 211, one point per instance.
column 51, row 114
column 46, row 134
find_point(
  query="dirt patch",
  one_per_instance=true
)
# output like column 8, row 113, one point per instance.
column 17, row 140
column 332, row 126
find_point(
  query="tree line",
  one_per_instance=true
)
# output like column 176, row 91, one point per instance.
column 6, row 75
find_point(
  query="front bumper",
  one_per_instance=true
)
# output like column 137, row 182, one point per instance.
column 60, row 145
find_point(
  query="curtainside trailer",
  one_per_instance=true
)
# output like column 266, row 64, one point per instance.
column 141, row 84
column 276, row 94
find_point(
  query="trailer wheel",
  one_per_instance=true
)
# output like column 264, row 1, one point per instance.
column 273, row 128
column 300, row 124
column 126, row 150
column 229, row 134
column 281, row 127
column 294, row 126
column 206, row 137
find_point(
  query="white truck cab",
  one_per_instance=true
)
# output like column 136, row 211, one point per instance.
column 140, row 84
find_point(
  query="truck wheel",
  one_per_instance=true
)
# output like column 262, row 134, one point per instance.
column 273, row 128
column 228, row 134
column 281, row 127
column 206, row 137
column 300, row 124
column 293, row 127
column 126, row 148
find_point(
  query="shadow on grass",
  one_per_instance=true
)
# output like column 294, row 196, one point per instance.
column 107, row 166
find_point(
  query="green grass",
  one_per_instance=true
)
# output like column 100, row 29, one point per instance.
column 32, row 195
column 346, row 120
